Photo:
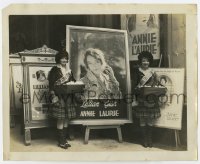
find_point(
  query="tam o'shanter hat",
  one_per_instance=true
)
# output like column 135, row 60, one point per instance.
column 145, row 54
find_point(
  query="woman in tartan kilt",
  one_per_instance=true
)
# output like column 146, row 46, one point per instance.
column 62, row 107
column 147, row 109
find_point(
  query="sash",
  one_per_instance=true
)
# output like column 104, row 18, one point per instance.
column 63, row 79
column 145, row 78
column 65, row 75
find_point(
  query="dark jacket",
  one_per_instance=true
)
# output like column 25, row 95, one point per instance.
column 55, row 74
column 137, row 76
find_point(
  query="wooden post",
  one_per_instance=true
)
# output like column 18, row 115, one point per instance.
column 89, row 127
column 160, row 60
column 177, row 138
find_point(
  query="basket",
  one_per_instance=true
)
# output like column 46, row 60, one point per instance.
column 69, row 88
column 157, row 91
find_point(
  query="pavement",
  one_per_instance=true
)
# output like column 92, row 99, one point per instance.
column 106, row 140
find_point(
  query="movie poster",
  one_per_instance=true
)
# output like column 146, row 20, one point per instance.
column 171, row 105
column 39, row 91
column 99, row 58
column 143, row 34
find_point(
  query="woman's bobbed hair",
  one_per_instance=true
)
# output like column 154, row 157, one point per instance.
column 61, row 55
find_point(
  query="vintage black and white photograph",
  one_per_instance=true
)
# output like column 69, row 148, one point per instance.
column 118, row 83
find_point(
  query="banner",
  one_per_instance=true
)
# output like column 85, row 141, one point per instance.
column 17, row 85
column 143, row 34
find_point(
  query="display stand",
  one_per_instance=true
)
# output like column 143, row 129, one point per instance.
column 36, row 65
column 176, row 132
column 89, row 127
column 15, row 67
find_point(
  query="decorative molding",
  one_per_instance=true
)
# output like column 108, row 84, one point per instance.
column 38, row 59
column 44, row 50
column 27, row 136
column 16, row 55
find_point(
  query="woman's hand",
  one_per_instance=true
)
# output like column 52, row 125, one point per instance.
column 54, row 99
column 109, row 71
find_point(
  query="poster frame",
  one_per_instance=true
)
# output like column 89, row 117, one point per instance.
column 115, row 121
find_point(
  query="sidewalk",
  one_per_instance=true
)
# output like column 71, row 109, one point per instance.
column 44, row 140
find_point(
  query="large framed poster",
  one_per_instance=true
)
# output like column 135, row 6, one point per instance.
column 99, row 58
column 171, row 105
column 143, row 34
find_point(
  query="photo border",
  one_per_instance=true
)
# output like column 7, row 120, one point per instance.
column 191, row 72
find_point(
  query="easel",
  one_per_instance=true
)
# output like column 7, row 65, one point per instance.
column 176, row 132
column 177, row 138
column 89, row 127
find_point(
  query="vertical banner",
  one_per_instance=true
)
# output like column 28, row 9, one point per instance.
column 16, row 80
column 39, row 91
column 171, row 104
column 143, row 34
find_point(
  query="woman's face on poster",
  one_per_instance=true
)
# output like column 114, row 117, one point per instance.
column 142, row 20
column 163, row 81
column 94, row 64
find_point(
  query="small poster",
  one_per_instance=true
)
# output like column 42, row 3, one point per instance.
column 171, row 104
column 39, row 91
column 143, row 34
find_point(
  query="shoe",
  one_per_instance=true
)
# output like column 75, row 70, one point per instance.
column 61, row 139
column 66, row 136
column 64, row 146
column 67, row 144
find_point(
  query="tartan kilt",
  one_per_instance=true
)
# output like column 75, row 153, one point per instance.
column 63, row 109
column 147, row 110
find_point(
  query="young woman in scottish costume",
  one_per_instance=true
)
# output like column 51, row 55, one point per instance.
column 62, row 107
column 147, row 109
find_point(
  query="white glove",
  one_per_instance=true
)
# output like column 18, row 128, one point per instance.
column 55, row 99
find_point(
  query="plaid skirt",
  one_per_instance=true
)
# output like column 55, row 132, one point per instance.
column 63, row 109
column 147, row 110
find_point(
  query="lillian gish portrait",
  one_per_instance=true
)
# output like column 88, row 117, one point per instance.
column 99, row 61
column 100, row 81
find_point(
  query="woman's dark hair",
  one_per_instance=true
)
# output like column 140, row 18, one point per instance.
column 163, row 78
column 147, row 55
column 60, row 55
column 40, row 73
